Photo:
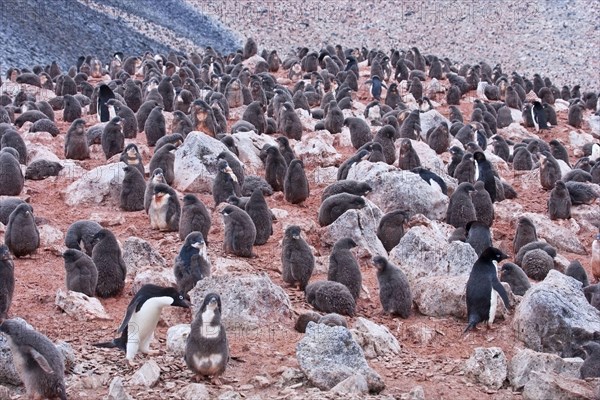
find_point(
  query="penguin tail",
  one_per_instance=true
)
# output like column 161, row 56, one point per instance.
column 120, row 342
column 469, row 327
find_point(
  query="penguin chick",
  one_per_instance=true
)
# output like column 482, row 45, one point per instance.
column 483, row 280
column 141, row 318
column 37, row 361
column 515, row 277
column 390, row 229
column 394, row 289
column 7, row 281
column 192, row 263
column 132, row 190
column 107, row 257
column 344, row 268
column 297, row 259
column 80, row 234
column 330, row 297
column 194, row 217
column 164, row 211
column 295, row 184
column 81, row 272
column 240, row 232
column 333, row 207
column 22, row 236
column 206, row 349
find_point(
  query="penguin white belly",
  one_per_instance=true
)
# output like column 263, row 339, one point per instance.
column 493, row 305
column 158, row 214
column 111, row 112
column 208, row 331
column 143, row 323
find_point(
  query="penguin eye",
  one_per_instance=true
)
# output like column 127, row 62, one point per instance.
column 180, row 297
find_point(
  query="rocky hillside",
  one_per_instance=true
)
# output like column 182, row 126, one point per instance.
column 38, row 32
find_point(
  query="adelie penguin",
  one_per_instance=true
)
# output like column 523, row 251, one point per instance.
column 7, row 281
column 483, row 281
column 394, row 289
column 22, row 236
column 107, row 257
column 164, row 211
column 206, row 349
column 141, row 318
column 376, row 87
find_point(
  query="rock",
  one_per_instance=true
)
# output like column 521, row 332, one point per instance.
column 251, row 62
column 431, row 119
column 416, row 393
column 375, row 340
column 560, row 234
column 355, row 384
column 515, row 131
column 279, row 213
column 67, row 352
column 101, row 185
column 594, row 122
column 395, row 189
column 80, row 306
column 360, row 225
column 50, row 235
column 224, row 266
column 316, row 149
column 230, row 395
column 148, row 375
column 308, row 122
column 554, row 316
column 425, row 251
column 527, row 361
column 488, row 367
column 71, row 170
column 325, row 176
column 587, row 216
column 429, row 159
column 40, row 152
column 551, row 386
column 420, row 334
column 290, row 376
column 328, row 355
column 249, row 145
column 163, row 277
column 248, row 302
column 195, row 391
column 579, row 139
column 196, row 163
column 261, row 381
column 116, row 391
column 437, row 297
column 176, row 338
column 138, row 253
column 107, row 219
column 343, row 139
column 561, row 105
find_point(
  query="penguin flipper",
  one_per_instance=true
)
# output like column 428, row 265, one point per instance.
column 40, row 360
column 502, row 292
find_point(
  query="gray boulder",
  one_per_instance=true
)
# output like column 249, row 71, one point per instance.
column 488, row 367
column 431, row 119
column 196, row 163
column 249, row 145
column 551, row 386
column 527, row 361
column 395, row 189
column 101, row 185
column 554, row 316
column 138, row 254
column 247, row 302
column 316, row 149
column 424, row 251
column 375, row 340
column 329, row 355
column 360, row 225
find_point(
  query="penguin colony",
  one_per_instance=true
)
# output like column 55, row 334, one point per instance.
column 165, row 97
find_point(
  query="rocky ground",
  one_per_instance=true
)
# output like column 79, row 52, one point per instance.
column 433, row 352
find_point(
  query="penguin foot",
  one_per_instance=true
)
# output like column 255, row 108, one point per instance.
column 216, row 381
column 131, row 363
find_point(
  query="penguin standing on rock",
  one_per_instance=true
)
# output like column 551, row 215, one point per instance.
column 483, row 281
column 141, row 318
column 206, row 349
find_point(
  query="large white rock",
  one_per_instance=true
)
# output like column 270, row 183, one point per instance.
column 431, row 119
column 37, row 151
column 425, row 251
column 360, row 225
column 161, row 277
column 526, row 361
column 551, row 386
column 394, row 189
column 375, row 340
column 248, row 302
column 487, row 366
column 249, row 145
column 555, row 317
column 148, row 375
column 316, row 149
column 196, row 163
column 177, row 337
column 594, row 122
column 101, row 185
column 138, row 254
column 80, row 306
